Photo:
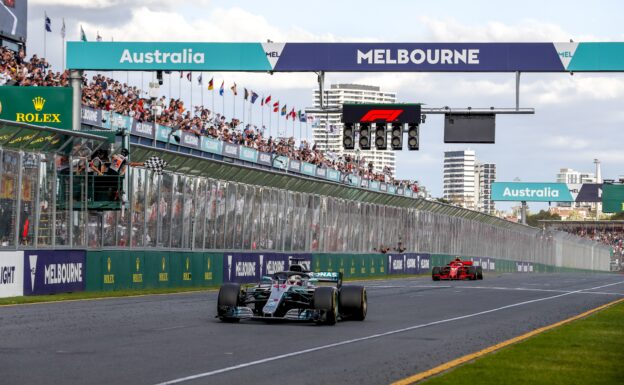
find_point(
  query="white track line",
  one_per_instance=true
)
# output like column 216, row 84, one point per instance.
column 490, row 288
column 379, row 335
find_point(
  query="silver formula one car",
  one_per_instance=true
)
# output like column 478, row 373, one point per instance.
column 293, row 295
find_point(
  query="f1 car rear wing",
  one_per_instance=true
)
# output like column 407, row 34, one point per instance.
column 327, row 276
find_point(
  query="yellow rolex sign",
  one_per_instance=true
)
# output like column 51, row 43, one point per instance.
column 43, row 106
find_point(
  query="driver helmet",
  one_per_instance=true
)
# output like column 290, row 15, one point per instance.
column 295, row 279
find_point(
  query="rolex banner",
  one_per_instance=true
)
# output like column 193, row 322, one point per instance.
column 43, row 106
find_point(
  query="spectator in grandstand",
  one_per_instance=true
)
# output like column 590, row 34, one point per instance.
column 101, row 92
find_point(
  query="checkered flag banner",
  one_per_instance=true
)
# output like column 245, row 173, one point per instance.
column 154, row 163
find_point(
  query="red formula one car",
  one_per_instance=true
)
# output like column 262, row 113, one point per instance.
column 457, row 270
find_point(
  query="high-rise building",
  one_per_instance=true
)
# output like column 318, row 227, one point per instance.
column 459, row 178
column 486, row 174
column 574, row 179
column 327, row 128
column 468, row 183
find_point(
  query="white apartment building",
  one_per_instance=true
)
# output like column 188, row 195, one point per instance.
column 460, row 182
column 468, row 183
column 574, row 179
column 327, row 128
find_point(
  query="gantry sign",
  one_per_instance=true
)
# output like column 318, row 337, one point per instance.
column 347, row 57
column 461, row 125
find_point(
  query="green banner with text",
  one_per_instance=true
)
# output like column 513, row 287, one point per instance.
column 43, row 106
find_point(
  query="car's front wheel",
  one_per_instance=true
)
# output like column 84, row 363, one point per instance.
column 228, row 298
column 435, row 273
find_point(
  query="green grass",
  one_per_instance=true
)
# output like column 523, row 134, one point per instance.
column 128, row 293
column 586, row 351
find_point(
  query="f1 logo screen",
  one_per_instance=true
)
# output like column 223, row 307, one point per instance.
column 381, row 115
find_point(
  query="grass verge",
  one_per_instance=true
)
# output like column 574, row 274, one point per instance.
column 585, row 351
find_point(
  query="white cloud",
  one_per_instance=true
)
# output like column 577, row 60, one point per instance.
column 527, row 30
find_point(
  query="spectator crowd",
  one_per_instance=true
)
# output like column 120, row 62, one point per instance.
column 611, row 237
column 101, row 92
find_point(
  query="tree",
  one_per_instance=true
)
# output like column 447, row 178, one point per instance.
column 617, row 217
column 532, row 220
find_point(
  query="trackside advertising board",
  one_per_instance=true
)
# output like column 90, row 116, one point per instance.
column 54, row 271
column 11, row 274
column 531, row 192
column 349, row 57
column 42, row 106
column 408, row 263
column 250, row 267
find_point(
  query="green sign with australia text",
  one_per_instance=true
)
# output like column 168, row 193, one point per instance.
column 42, row 106
column 531, row 192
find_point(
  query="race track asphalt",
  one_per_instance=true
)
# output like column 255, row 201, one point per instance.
column 412, row 325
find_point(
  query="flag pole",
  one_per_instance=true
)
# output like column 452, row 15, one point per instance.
column 45, row 33
column 244, row 122
column 223, row 97
column 201, row 74
column 233, row 105
column 262, row 110
column 180, row 85
column 251, row 113
column 191, row 107
column 170, row 96
column 270, row 114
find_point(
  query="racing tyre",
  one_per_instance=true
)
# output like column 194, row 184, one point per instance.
column 479, row 272
column 228, row 298
column 326, row 300
column 472, row 272
column 353, row 302
column 435, row 273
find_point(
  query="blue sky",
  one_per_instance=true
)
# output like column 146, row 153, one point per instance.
column 578, row 118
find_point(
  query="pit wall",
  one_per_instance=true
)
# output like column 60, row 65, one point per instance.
column 39, row 272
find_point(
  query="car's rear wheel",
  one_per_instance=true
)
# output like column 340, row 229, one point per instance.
column 326, row 302
column 353, row 303
column 479, row 272
column 229, row 297
column 435, row 273
column 472, row 272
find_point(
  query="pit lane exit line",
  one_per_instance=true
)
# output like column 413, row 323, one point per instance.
column 374, row 336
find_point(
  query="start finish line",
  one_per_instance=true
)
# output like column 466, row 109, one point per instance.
column 347, row 57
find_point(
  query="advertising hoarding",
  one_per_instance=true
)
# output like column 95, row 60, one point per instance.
column 531, row 192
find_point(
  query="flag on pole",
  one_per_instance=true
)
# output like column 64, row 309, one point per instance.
column 293, row 114
column 211, row 84
column 267, row 100
column 276, row 106
column 262, row 101
column 221, row 89
column 189, row 77
column 83, row 35
column 63, row 29
column 98, row 37
column 254, row 96
column 283, row 113
column 233, row 88
column 200, row 80
column 302, row 117
column 246, row 94
column 181, row 74
column 47, row 23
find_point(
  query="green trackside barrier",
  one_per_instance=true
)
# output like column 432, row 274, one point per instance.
column 352, row 265
column 120, row 270
column 94, row 271
column 157, row 269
